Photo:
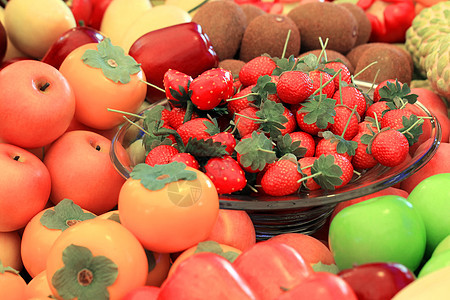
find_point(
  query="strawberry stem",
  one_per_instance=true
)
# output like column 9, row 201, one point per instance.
column 252, row 188
column 365, row 68
column 357, row 173
column 125, row 113
column 250, row 118
column 197, row 6
column 310, row 176
column 419, row 121
column 286, row 43
column 154, row 86
column 243, row 96
column 373, row 82
column 348, row 121
column 322, row 52
column 134, row 124
column 327, row 82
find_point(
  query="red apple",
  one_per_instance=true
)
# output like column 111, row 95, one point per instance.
column 271, row 266
column 233, row 228
column 143, row 293
column 68, row 41
column 310, row 249
column 81, row 170
column 37, row 104
column 430, row 100
column 24, row 187
column 439, row 163
column 377, row 281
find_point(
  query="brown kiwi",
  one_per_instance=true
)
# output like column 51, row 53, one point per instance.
column 267, row 34
column 325, row 20
column 391, row 64
column 364, row 26
column 224, row 22
column 332, row 55
column 252, row 11
column 233, row 65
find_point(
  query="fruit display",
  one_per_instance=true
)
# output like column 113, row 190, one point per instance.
column 224, row 149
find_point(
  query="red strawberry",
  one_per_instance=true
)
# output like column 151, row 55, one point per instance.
column 165, row 116
column 294, row 87
column 245, row 125
column 364, row 129
column 346, row 167
column 390, row 147
column 351, row 97
column 227, row 139
column 394, row 118
column 211, row 87
column 345, row 72
column 362, row 160
column 343, row 114
column 312, row 129
column 226, row 174
column 194, row 128
column 187, row 159
column 376, row 91
column 237, row 105
column 291, row 123
column 305, row 164
column 176, row 84
column 176, row 117
column 377, row 108
column 317, row 77
column 306, row 141
column 281, row 178
column 253, row 69
column 160, row 155
column 328, row 146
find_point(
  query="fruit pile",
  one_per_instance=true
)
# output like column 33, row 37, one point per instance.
column 71, row 227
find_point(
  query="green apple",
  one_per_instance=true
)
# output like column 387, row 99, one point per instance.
column 435, row 263
column 444, row 245
column 431, row 198
column 382, row 229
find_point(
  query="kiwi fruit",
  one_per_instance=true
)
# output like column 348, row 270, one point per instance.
column 252, row 11
column 267, row 34
column 332, row 55
column 224, row 23
column 325, row 20
column 233, row 65
column 390, row 64
column 364, row 26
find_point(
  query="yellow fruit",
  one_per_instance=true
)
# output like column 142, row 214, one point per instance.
column 186, row 5
column 33, row 26
column 119, row 15
column 11, row 50
column 158, row 17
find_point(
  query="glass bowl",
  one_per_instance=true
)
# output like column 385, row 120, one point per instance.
column 306, row 211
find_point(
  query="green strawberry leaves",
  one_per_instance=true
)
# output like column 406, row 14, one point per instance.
column 343, row 146
column 284, row 64
column 256, row 152
column 397, row 95
column 112, row 60
column 205, row 148
column 285, row 145
column 63, row 215
column 155, row 133
column 412, row 128
column 156, row 177
column 326, row 173
column 272, row 118
column 84, row 276
column 320, row 110
column 264, row 86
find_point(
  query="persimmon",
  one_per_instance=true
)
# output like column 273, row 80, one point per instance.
column 103, row 77
column 96, row 259
column 12, row 284
column 38, row 287
column 10, row 250
column 169, row 208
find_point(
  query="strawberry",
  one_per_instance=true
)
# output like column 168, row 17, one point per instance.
column 320, row 78
column 177, row 115
column 291, row 123
column 281, row 178
column 211, row 87
column 253, row 69
column 160, row 155
column 316, row 114
column 362, row 160
column 345, row 122
column 245, row 125
column 186, row 158
column 294, row 87
column 389, row 147
column 367, row 126
column 305, row 165
column 377, row 109
column 176, row 85
column 306, row 141
column 330, row 146
column 227, row 139
column 239, row 104
column 195, row 128
column 346, row 167
column 394, row 118
column 345, row 72
column 376, row 91
column 226, row 174
column 351, row 97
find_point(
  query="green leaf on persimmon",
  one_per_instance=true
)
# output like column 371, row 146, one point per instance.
column 63, row 215
column 9, row 269
column 114, row 63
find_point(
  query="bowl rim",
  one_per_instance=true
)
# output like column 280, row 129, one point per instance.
column 314, row 198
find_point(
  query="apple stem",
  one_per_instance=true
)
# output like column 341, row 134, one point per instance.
column 44, row 87
column 97, row 148
column 16, row 158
